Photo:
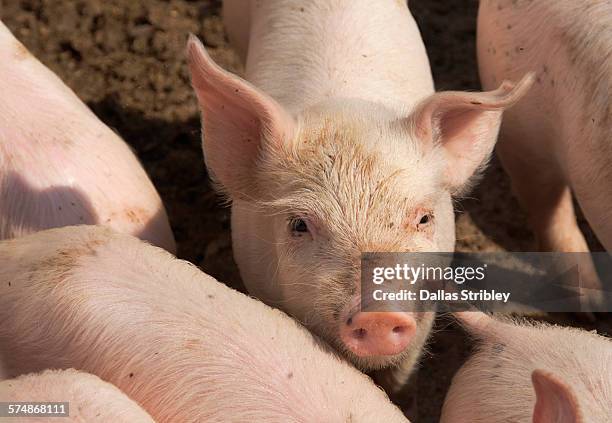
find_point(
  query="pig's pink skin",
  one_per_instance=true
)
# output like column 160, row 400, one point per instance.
column 495, row 385
column 559, row 138
column 90, row 398
column 60, row 165
column 185, row 347
column 339, row 127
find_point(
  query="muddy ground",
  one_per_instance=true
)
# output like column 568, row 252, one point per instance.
column 125, row 59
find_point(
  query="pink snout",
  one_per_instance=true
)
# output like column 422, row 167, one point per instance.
column 381, row 333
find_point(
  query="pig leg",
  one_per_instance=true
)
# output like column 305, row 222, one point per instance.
column 543, row 192
column 545, row 196
column 591, row 181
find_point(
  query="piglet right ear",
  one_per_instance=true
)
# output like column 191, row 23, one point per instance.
column 238, row 122
column 555, row 400
column 465, row 126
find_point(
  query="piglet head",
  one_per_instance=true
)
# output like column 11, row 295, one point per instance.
column 312, row 191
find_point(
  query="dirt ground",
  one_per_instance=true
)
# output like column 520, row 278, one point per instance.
column 125, row 59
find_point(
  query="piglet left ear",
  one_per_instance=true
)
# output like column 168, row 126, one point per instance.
column 465, row 125
column 555, row 400
column 239, row 122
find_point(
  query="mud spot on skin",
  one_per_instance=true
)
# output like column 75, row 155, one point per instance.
column 131, row 375
column 132, row 216
column 498, row 348
column 192, row 344
column 21, row 53
column 65, row 259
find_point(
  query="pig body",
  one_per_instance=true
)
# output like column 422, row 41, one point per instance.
column 89, row 398
column 571, row 370
column 335, row 146
column 558, row 140
column 185, row 347
column 60, row 165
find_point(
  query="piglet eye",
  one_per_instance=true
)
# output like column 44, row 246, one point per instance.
column 425, row 220
column 298, row 226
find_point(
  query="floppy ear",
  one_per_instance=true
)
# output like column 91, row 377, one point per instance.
column 238, row 121
column 555, row 400
column 465, row 125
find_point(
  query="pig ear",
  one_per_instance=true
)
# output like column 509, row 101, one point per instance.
column 555, row 400
column 466, row 125
column 238, row 121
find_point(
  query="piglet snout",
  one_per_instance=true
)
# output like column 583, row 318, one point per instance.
column 381, row 333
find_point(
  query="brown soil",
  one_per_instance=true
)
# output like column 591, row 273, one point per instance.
column 125, row 59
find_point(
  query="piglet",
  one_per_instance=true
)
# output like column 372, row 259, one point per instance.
column 89, row 398
column 60, row 165
column 570, row 369
column 334, row 145
column 557, row 140
column 184, row 346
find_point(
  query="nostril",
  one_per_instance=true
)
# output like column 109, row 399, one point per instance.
column 399, row 329
column 359, row 333
column 349, row 321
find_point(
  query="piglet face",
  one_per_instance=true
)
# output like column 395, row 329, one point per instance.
column 312, row 192
column 348, row 183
